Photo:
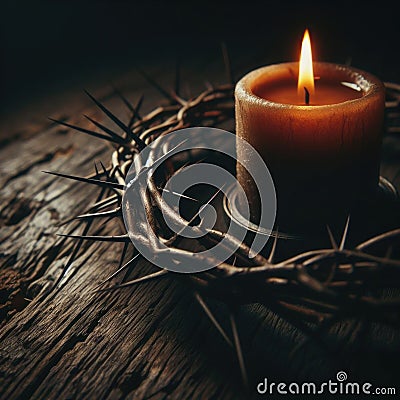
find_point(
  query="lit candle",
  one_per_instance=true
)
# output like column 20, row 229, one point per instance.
column 320, row 137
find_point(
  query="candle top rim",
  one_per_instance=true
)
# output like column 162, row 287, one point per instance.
column 370, row 85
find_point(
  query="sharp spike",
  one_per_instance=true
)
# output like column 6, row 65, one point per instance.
column 118, row 169
column 212, row 318
column 238, row 348
column 104, row 168
column 146, row 278
column 164, row 157
column 273, row 249
column 178, row 194
column 72, row 257
column 156, row 85
column 97, row 174
column 123, row 253
column 346, row 228
column 139, row 105
column 97, row 170
column 128, row 272
column 107, row 202
column 105, row 129
column 79, row 243
column 124, row 99
column 87, row 131
column 116, row 238
column 331, row 238
column 196, row 214
column 119, row 270
column 179, row 99
column 136, row 114
column 65, row 222
column 97, row 182
column 118, row 122
column 109, row 213
column 88, row 216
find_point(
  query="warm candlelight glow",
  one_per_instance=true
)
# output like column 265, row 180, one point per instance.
column 305, row 85
column 321, row 144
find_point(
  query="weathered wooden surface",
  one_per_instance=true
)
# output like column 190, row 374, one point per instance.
column 149, row 341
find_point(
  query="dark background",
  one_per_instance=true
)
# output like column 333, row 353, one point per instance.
column 49, row 45
column 48, row 48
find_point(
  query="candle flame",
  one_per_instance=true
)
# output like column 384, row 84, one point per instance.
column 306, row 74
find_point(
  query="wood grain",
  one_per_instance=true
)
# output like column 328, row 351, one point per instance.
column 150, row 341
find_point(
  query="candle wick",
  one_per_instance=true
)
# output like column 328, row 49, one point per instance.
column 306, row 96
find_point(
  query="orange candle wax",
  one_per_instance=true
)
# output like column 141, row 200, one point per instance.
column 322, row 151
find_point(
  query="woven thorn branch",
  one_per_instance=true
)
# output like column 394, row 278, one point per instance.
column 312, row 290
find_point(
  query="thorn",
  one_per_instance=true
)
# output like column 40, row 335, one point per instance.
column 116, row 238
column 139, row 106
column 97, row 171
column 105, row 129
column 211, row 316
column 87, row 131
column 177, row 194
column 331, row 238
column 97, row 182
column 124, row 99
column 179, row 99
column 135, row 113
column 109, row 213
column 124, row 250
column 118, row 122
column 198, row 212
column 165, row 156
column 121, row 261
column 97, row 174
column 238, row 349
column 128, row 272
column 118, row 169
column 78, row 245
column 119, row 270
column 104, row 168
column 156, row 85
column 107, row 202
column 346, row 228
column 273, row 249
column 146, row 278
